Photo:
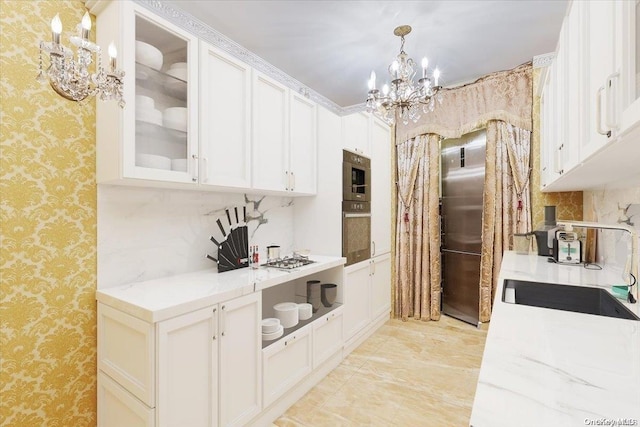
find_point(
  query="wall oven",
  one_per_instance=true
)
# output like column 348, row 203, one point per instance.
column 356, row 231
column 356, row 177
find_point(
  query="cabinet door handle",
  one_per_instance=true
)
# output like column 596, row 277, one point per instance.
column 293, row 181
column 373, row 268
column 223, row 319
column 205, row 166
column 286, row 180
column 599, row 113
column 611, row 103
column 215, row 324
column 373, row 251
column 194, row 178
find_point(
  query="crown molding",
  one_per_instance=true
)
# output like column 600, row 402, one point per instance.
column 545, row 60
column 201, row 30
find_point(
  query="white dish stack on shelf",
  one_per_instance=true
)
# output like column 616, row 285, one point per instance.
column 179, row 71
column 175, row 118
column 149, row 56
column 305, row 311
column 146, row 110
column 153, row 161
column 271, row 329
column 287, row 312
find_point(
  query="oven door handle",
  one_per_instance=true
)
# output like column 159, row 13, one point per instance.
column 357, row 215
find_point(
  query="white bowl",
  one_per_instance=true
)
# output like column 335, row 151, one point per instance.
column 270, row 325
column 145, row 103
column 305, row 310
column 273, row 335
column 179, row 165
column 175, row 118
column 178, row 73
column 177, row 65
column 148, row 55
column 287, row 312
column 149, row 115
column 153, row 161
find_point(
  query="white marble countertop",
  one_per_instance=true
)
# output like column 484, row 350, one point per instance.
column 160, row 299
column 544, row 367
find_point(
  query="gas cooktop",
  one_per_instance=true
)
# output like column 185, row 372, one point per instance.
column 288, row 262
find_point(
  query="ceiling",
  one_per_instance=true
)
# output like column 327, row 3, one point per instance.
column 332, row 46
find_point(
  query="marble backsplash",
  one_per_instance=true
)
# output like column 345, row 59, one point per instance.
column 146, row 233
column 614, row 206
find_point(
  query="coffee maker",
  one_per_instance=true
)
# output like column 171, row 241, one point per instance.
column 546, row 232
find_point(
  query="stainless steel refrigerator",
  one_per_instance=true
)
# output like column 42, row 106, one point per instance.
column 463, row 167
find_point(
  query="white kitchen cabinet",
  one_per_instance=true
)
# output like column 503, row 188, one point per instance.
column 201, row 368
column 119, row 408
column 240, row 360
column 142, row 143
column 270, row 134
column 380, row 270
column 302, row 145
column 357, row 297
column 286, row 362
column 380, row 188
column 599, row 17
column 187, row 355
column 600, row 120
column 367, row 294
column 356, row 129
column 225, row 119
column 327, row 336
column 284, row 138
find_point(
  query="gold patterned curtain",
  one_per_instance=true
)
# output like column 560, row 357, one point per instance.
column 507, row 202
column 502, row 103
column 417, row 281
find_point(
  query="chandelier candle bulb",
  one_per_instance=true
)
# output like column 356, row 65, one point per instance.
column 436, row 76
column 86, row 26
column 372, row 81
column 113, row 53
column 56, row 29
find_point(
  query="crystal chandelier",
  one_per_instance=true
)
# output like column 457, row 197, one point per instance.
column 69, row 76
column 402, row 97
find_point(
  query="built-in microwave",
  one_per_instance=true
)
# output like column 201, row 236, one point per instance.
column 356, row 177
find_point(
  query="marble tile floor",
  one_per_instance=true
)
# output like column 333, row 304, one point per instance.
column 406, row 374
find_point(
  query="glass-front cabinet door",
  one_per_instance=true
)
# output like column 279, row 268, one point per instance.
column 164, row 145
column 155, row 137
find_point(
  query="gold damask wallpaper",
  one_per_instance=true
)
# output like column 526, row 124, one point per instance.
column 568, row 204
column 48, row 232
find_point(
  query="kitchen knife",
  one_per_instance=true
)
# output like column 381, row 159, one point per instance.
column 236, row 210
column 215, row 242
column 224, row 233
column 211, row 258
column 230, row 238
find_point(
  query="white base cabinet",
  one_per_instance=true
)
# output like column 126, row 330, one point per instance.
column 286, row 362
column 367, row 295
column 208, row 370
column 118, row 407
column 327, row 336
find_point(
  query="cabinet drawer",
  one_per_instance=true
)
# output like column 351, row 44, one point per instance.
column 126, row 352
column 120, row 408
column 285, row 363
column 327, row 336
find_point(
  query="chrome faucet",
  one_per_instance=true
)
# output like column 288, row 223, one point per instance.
column 633, row 265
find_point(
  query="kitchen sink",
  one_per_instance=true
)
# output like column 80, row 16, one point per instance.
column 578, row 299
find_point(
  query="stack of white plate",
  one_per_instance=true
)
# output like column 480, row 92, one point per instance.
column 175, row 118
column 287, row 312
column 305, row 310
column 178, row 70
column 271, row 329
column 148, row 55
column 179, row 165
column 153, row 161
column 146, row 110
